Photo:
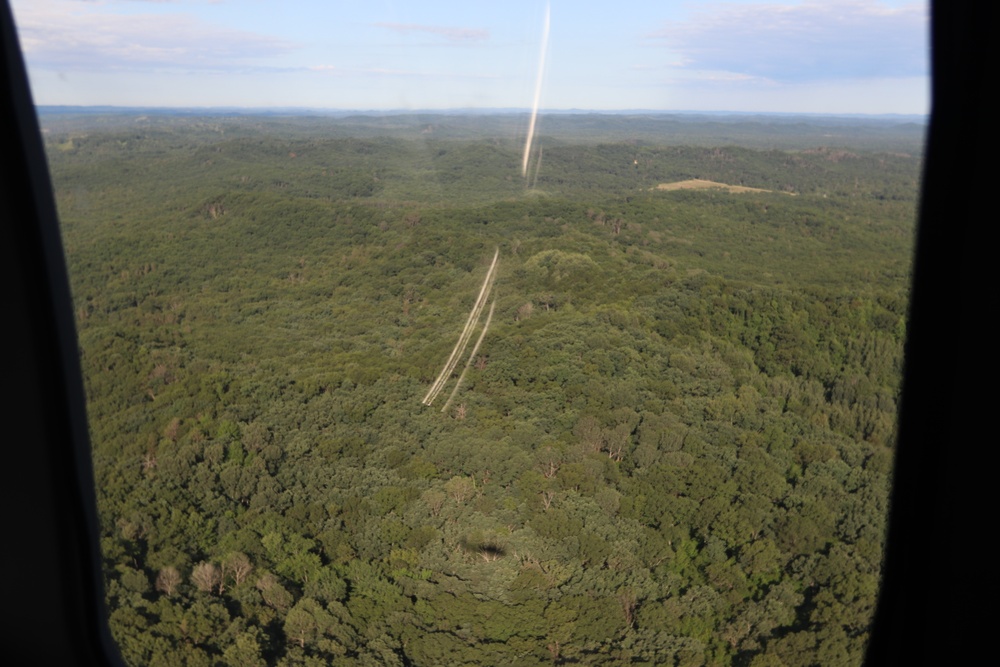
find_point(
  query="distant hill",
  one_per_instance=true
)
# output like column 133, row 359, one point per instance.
column 754, row 130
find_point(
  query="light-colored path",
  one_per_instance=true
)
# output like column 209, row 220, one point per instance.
column 472, row 355
column 463, row 339
column 702, row 184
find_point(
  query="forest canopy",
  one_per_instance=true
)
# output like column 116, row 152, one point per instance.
column 672, row 446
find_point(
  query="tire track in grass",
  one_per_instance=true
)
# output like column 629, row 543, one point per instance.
column 463, row 339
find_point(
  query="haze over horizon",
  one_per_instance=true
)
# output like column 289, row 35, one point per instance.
column 743, row 56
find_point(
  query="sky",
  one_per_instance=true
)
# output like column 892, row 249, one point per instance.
column 785, row 56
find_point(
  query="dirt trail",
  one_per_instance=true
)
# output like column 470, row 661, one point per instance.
column 463, row 339
column 468, row 362
column 463, row 343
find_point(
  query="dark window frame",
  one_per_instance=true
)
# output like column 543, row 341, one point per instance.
column 55, row 612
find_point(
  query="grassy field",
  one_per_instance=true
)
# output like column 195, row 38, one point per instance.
column 702, row 184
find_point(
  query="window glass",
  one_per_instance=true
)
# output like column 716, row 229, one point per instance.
column 435, row 333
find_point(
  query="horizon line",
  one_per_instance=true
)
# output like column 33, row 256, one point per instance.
column 464, row 110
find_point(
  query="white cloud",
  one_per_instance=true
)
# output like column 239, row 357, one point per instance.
column 451, row 34
column 400, row 73
column 808, row 41
column 73, row 35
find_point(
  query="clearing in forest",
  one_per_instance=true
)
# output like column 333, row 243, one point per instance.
column 701, row 184
column 463, row 339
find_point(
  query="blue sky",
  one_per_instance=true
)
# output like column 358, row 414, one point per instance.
column 812, row 56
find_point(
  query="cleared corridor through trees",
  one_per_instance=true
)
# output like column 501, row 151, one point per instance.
column 468, row 362
column 463, row 339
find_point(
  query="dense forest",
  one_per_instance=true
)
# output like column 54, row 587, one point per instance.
column 672, row 446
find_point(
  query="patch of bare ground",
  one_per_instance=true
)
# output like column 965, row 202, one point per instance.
column 701, row 184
